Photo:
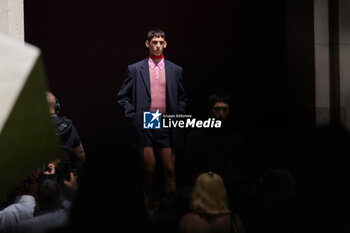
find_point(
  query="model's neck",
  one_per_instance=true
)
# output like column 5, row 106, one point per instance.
column 156, row 60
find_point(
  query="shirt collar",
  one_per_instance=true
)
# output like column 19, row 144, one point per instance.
column 160, row 64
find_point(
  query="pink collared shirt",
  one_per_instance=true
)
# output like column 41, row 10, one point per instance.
column 158, row 85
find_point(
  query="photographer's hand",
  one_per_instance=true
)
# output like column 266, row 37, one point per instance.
column 72, row 184
column 51, row 170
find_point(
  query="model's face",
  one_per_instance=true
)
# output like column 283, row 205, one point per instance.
column 156, row 46
column 220, row 110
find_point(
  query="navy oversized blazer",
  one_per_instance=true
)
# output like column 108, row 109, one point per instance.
column 134, row 97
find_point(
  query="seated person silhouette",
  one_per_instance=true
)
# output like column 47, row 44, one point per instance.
column 217, row 149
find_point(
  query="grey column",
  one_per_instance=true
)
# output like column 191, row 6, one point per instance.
column 344, row 60
column 11, row 18
column 322, row 88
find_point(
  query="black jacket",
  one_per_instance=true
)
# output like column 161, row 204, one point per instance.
column 134, row 97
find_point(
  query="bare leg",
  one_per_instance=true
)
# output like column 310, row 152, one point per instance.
column 167, row 157
column 149, row 164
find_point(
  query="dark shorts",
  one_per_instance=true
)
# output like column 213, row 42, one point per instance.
column 159, row 138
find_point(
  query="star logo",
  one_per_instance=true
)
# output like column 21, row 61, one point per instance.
column 151, row 120
column 156, row 115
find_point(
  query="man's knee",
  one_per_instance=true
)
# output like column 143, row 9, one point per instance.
column 150, row 167
column 169, row 171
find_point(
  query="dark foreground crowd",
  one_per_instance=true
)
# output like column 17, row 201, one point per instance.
column 217, row 197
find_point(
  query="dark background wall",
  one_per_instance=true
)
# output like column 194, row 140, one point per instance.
column 238, row 47
column 260, row 52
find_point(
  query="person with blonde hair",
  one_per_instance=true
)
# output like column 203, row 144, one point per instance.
column 210, row 210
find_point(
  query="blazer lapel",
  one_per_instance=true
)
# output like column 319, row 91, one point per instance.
column 145, row 76
column 169, row 75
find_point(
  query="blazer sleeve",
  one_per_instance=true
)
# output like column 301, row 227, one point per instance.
column 125, row 96
column 182, row 96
